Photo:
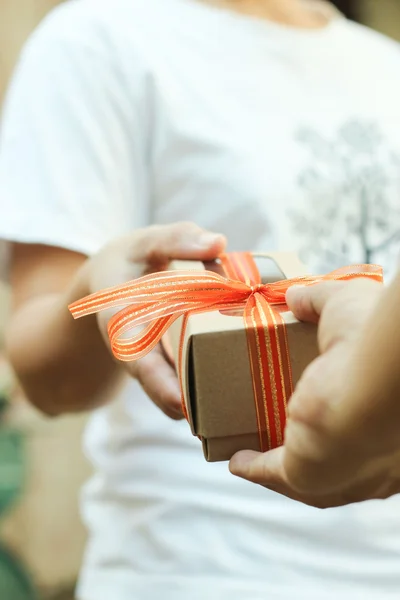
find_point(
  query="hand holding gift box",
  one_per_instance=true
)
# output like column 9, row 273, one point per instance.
column 342, row 442
column 237, row 369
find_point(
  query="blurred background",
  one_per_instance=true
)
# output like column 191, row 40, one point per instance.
column 41, row 463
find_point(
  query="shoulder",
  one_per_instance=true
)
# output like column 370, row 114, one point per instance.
column 86, row 46
column 107, row 29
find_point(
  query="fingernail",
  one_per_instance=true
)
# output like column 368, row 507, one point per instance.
column 208, row 239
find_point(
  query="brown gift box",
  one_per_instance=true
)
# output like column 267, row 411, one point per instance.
column 216, row 376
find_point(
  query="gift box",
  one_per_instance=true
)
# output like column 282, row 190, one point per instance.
column 238, row 350
column 216, row 374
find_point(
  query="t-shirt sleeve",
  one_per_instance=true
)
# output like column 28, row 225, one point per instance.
column 72, row 145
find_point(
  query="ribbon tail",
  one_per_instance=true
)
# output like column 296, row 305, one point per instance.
column 94, row 304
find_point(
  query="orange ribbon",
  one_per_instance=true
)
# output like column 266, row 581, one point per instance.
column 159, row 299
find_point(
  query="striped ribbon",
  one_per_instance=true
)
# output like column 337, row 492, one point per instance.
column 157, row 300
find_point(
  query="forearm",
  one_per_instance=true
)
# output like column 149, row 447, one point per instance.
column 63, row 365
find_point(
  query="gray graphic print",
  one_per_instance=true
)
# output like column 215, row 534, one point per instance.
column 351, row 190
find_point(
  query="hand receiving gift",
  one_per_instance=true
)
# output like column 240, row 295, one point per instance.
column 342, row 440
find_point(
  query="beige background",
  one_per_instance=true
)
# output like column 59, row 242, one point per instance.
column 383, row 15
column 17, row 18
column 45, row 527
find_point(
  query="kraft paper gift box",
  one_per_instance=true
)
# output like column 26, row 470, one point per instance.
column 216, row 376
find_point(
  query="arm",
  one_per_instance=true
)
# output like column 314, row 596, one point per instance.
column 62, row 365
column 65, row 365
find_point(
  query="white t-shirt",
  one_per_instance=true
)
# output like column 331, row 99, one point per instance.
column 129, row 112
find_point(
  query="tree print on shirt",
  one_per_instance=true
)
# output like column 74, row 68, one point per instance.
column 352, row 197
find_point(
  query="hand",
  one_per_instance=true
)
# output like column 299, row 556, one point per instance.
column 147, row 251
column 342, row 440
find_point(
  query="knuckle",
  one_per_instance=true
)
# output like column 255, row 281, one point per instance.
column 334, row 306
column 311, row 404
column 309, row 385
column 155, row 254
column 345, row 306
column 259, row 473
column 304, row 304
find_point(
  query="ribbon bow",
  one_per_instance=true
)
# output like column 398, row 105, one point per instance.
column 157, row 300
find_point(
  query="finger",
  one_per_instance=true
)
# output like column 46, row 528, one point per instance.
column 307, row 403
column 268, row 470
column 158, row 245
column 339, row 307
column 321, row 403
column 307, row 302
column 159, row 381
column 264, row 469
column 346, row 311
column 320, row 456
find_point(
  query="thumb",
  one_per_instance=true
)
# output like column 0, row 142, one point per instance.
column 265, row 469
column 308, row 302
column 159, row 244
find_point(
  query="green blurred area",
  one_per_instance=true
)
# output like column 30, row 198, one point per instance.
column 15, row 583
